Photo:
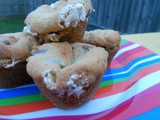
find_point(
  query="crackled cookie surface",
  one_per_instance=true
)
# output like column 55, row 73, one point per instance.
column 108, row 39
column 63, row 20
column 14, row 49
column 16, row 45
column 67, row 74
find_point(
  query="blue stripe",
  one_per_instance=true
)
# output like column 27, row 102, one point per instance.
column 117, row 70
column 153, row 114
column 34, row 90
column 19, row 92
column 131, row 72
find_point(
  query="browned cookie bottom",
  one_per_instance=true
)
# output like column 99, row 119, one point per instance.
column 63, row 101
column 15, row 76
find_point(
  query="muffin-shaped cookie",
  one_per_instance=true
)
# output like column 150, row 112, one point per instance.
column 14, row 49
column 108, row 39
column 67, row 74
column 64, row 20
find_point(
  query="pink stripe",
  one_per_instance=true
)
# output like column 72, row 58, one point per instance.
column 132, row 107
column 128, row 56
column 126, row 44
column 139, row 104
column 122, row 86
column 106, row 113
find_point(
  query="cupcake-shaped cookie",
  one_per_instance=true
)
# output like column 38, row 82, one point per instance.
column 67, row 74
column 108, row 39
column 64, row 20
column 14, row 49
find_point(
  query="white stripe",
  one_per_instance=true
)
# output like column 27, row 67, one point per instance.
column 97, row 105
column 134, row 65
column 126, row 49
column 24, row 86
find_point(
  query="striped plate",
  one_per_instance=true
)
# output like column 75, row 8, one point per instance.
column 129, row 87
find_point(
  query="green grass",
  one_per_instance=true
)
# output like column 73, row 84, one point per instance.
column 11, row 25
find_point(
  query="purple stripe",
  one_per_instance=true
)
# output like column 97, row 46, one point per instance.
column 104, row 113
column 148, row 91
column 129, row 53
column 126, row 45
column 78, row 117
column 116, row 61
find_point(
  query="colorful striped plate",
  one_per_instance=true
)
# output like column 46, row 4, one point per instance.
column 129, row 88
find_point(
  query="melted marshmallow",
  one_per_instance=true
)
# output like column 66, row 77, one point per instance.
column 51, row 37
column 78, row 90
column 14, row 62
column 73, row 13
column 28, row 30
column 48, row 79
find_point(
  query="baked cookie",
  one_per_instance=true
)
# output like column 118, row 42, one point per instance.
column 14, row 49
column 64, row 20
column 108, row 39
column 67, row 74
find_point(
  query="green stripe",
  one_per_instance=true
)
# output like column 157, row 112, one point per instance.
column 22, row 100
column 123, row 41
column 112, row 82
column 39, row 97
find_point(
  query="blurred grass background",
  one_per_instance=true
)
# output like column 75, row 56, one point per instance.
column 11, row 25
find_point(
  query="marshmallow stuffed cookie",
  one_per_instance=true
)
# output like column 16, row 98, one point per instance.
column 64, row 20
column 14, row 49
column 67, row 74
column 108, row 39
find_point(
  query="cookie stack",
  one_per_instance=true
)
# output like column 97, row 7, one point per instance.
column 67, row 63
column 15, row 48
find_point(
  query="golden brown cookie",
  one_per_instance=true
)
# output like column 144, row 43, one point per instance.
column 67, row 74
column 108, row 39
column 14, row 49
column 64, row 20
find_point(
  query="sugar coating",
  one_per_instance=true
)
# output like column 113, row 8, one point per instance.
column 73, row 13
column 48, row 79
column 28, row 30
column 14, row 62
